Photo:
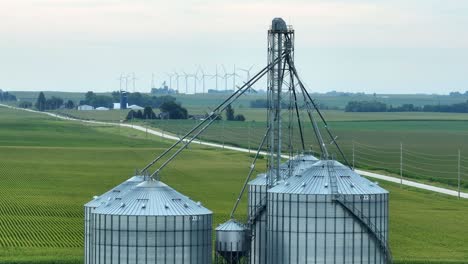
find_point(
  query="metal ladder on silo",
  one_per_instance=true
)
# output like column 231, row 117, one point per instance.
column 368, row 224
column 257, row 211
column 332, row 177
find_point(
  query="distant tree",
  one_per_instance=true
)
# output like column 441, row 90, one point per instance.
column 54, row 103
column 239, row 118
column 89, row 95
column 6, row 96
column 130, row 115
column 139, row 114
column 175, row 110
column 148, row 113
column 116, row 96
column 25, row 104
column 455, row 94
column 365, row 106
column 69, row 104
column 229, row 113
column 41, row 102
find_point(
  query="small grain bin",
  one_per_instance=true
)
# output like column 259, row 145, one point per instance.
column 232, row 242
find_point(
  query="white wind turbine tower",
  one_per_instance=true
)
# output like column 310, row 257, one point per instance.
column 216, row 77
column 203, row 76
column 234, row 74
column 121, row 78
column 177, row 76
column 186, row 76
column 195, row 79
column 225, row 77
column 170, row 75
column 152, row 81
column 133, row 77
column 247, row 73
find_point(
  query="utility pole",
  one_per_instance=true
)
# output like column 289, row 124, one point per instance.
column 401, row 164
column 353, row 155
column 459, row 179
column 222, row 132
column 249, row 124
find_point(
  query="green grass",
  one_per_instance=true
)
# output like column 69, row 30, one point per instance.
column 430, row 147
column 50, row 168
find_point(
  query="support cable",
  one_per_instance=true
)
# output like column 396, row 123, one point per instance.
column 252, row 167
column 297, row 111
column 304, row 90
column 210, row 119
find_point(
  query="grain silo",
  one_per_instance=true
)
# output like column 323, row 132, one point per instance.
column 100, row 201
column 319, row 211
column 327, row 214
column 151, row 223
column 257, row 205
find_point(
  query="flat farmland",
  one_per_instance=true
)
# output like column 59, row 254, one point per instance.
column 49, row 168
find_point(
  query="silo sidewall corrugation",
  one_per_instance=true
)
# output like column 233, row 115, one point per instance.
column 151, row 239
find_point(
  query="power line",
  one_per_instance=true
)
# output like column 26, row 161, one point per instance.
column 431, row 155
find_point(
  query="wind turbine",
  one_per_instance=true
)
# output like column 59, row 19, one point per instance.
column 234, row 74
column 177, row 76
column 186, row 81
column 203, row 75
column 195, row 79
column 247, row 72
column 216, row 76
column 170, row 79
column 133, row 80
column 121, row 78
column 225, row 77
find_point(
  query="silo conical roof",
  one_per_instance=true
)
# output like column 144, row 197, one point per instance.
column 316, row 180
column 152, row 198
column 116, row 191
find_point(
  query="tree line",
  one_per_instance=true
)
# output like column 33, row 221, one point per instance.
column 168, row 110
column 263, row 103
column 6, row 96
column 43, row 104
column 375, row 106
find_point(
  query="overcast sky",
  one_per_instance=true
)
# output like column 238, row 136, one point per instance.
column 397, row 46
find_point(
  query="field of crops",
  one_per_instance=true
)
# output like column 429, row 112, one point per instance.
column 430, row 140
column 430, row 147
column 49, row 168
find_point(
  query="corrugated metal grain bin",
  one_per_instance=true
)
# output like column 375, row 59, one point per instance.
column 257, row 206
column 101, row 200
column 327, row 214
column 151, row 223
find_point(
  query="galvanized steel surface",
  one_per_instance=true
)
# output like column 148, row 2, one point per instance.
column 316, row 180
column 152, row 198
column 100, row 200
column 151, row 223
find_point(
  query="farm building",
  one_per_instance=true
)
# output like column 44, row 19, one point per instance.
column 118, row 106
column 135, row 107
column 85, row 107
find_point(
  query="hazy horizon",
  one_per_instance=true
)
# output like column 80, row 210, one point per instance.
column 392, row 47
